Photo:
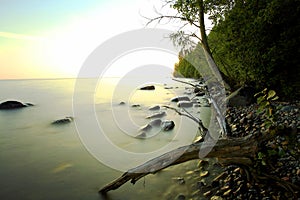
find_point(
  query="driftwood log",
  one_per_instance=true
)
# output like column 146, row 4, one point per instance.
column 234, row 151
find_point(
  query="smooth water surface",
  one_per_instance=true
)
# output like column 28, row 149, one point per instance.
column 39, row 160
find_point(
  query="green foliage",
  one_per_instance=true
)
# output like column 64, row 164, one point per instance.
column 265, row 101
column 185, row 68
column 257, row 42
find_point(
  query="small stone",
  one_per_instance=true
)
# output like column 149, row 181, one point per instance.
column 216, row 198
column 157, row 115
column 225, row 188
column 207, row 194
column 189, row 172
column 180, row 197
column 202, row 163
column 65, row 120
column 122, row 103
column 180, row 98
column 227, row 193
column 142, row 135
column 156, row 107
column 180, row 180
column 167, row 125
column 237, row 170
column 135, row 106
column 185, row 104
column 149, row 87
column 204, row 174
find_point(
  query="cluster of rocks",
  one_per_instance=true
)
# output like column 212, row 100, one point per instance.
column 247, row 120
column 279, row 158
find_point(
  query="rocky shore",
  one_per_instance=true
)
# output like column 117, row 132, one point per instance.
column 279, row 159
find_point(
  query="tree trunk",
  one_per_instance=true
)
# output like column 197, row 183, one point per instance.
column 202, row 28
column 235, row 151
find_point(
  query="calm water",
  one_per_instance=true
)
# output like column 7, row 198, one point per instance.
column 42, row 161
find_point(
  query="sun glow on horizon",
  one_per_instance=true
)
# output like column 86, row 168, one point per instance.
column 60, row 51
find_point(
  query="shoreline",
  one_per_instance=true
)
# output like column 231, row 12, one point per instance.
column 237, row 182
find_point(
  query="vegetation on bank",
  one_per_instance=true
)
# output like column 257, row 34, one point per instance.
column 255, row 43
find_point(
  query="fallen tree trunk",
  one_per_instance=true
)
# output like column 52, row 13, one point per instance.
column 237, row 150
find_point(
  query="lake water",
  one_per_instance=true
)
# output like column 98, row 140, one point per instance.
column 39, row 160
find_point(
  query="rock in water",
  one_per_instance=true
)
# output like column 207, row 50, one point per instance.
column 65, row 120
column 149, row 87
column 167, row 125
column 157, row 115
column 185, row 104
column 8, row 105
column 147, row 127
column 155, row 122
column 157, row 107
column 180, row 98
column 142, row 135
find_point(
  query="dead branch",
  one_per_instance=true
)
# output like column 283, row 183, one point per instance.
column 243, row 149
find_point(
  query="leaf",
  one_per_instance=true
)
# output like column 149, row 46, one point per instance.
column 271, row 94
column 274, row 98
column 260, row 155
column 260, row 100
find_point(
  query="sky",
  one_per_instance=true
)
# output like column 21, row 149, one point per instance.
column 52, row 38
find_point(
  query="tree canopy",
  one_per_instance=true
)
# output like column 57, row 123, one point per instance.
column 252, row 42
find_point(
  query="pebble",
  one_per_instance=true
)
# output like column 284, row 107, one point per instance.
column 204, row 174
column 180, row 197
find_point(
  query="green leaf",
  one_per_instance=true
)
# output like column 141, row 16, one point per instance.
column 271, row 94
column 274, row 98
column 260, row 100
column 260, row 155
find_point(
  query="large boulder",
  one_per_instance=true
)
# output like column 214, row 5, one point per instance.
column 9, row 105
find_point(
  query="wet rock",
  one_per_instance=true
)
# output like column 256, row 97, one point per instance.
column 216, row 198
column 208, row 193
column 65, row 120
column 142, row 135
column 227, row 193
column 185, row 104
column 155, row 122
column 204, row 102
column 180, row 180
column 148, row 87
column 9, row 105
column 167, row 125
column 204, row 174
column 180, row 197
column 180, row 98
column 156, row 107
column 157, row 115
column 135, row 105
column 146, row 128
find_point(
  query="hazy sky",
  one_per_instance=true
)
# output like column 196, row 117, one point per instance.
column 52, row 38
